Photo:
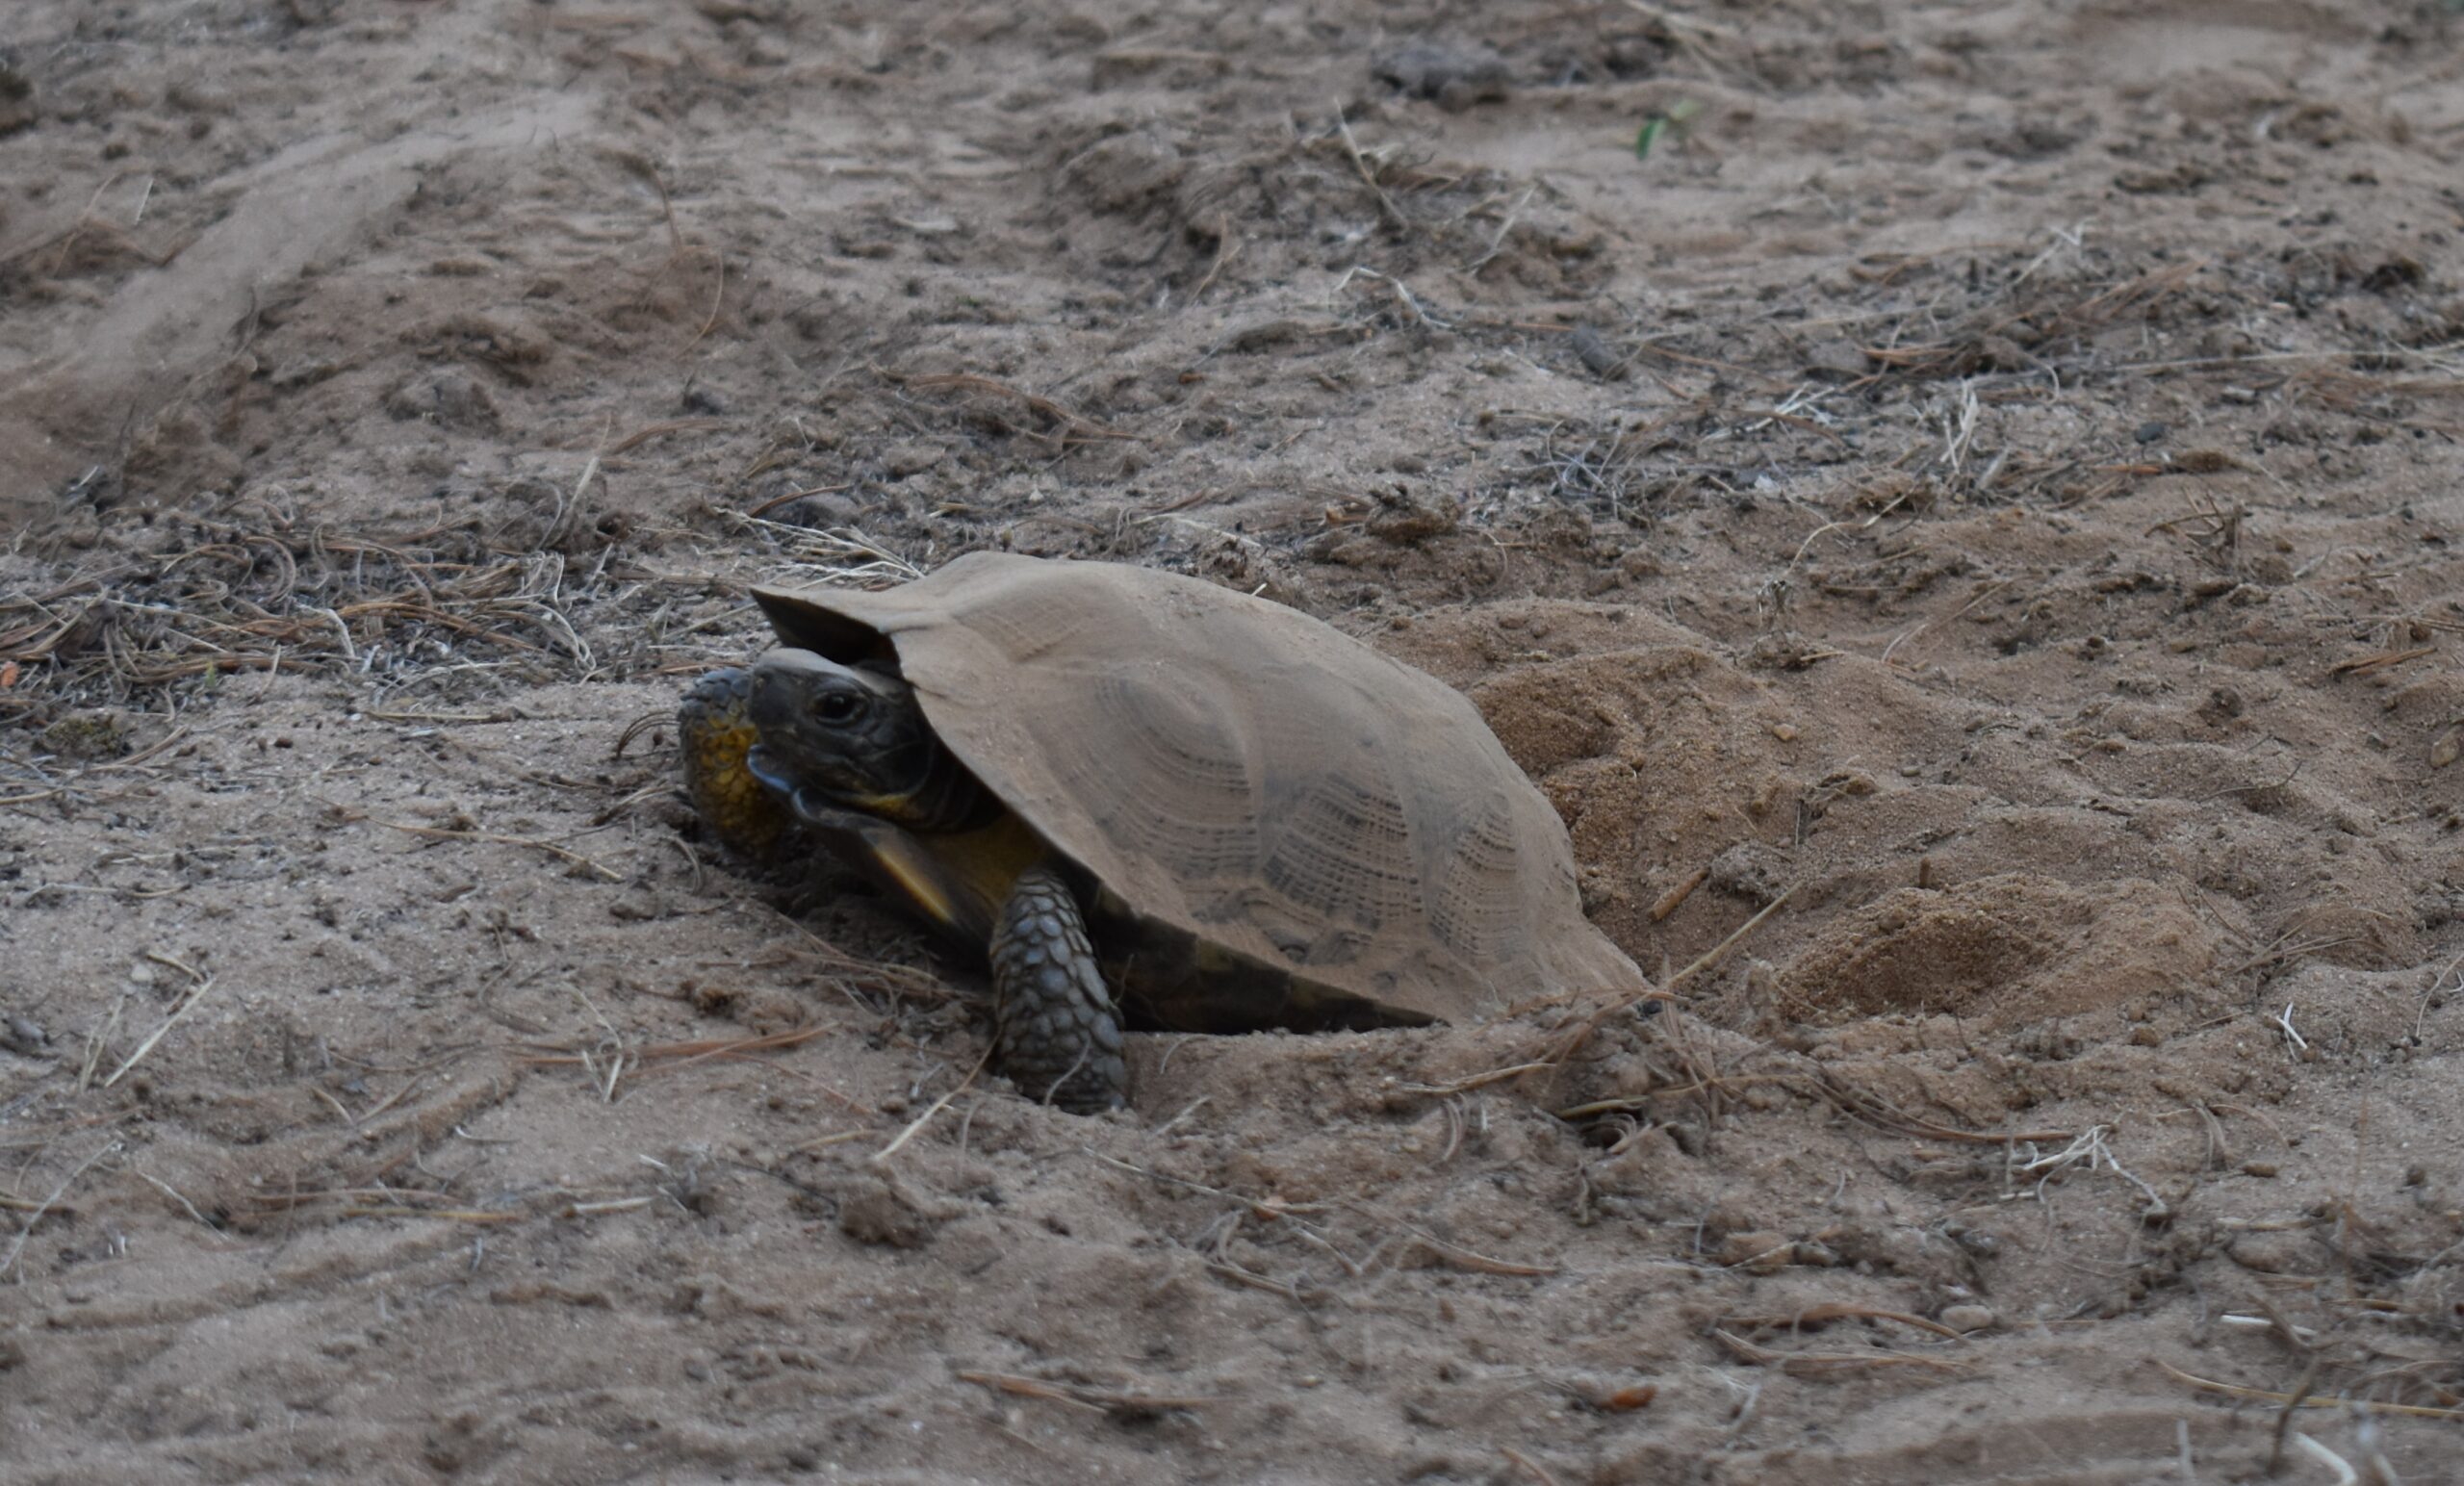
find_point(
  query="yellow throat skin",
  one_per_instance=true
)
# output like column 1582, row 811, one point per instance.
column 725, row 794
column 959, row 880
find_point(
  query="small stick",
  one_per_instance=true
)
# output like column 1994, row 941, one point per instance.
column 2284, row 1019
column 196, row 993
column 1497, row 244
column 1386, row 207
column 2359, row 664
column 645, row 434
column 1186, row 1111
column 1670, row 900
column 176, row 962
column 1573, row 1042
column 1816, row 1315
column 2263, row 1395
column 1255, row 1281
column 172, row 1192
column 1815, row 1364
column 1028, row 1388
column 1101, row 1399
column 1351, row 1265
column 967, row 382
column 718, row 297
column 2284, row 1415
column 1481, row 1262
column 27, row 1230
column 824, row 1142
column 1539, row 1472
column 1268, row 1209
column 690, row 1053
column 1226, row 246
column 776, row 502
column 390, row 1100
column 94, row 1044
column 451, row 1215
column 2345, row 1475
column 440, row 833
column 937, row 1107
column 1712, row 955
column 617, row 1204
column 1464, row 1086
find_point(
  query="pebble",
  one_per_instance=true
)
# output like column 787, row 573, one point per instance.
column 2273, row 1253
column 1968, row 1318
column 1757, row 1251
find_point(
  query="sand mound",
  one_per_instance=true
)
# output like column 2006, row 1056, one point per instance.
column 2005, row 950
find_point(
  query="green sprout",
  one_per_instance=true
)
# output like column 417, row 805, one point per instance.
column 1675, row 118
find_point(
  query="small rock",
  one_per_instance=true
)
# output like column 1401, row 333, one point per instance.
column 1758, row 1251
column 2259, row 1169
column 1408, row 519
column 1839, row 358
column 2001, row 354
column 1817, row 1256
column 23, row 1038
column 912, row 457
column 1598, row 357
column 817, row 511
column 2151, row 432
column 308, row 372
column 1968, row 1318
column 1126, row 171
column 2272, row 1253
column 16, row 95
column 447, row 398
column 871, row 1211
column 1611, row 1396
column 1456, row 75
column 87, row 737
column 1753, row 870
column 1978, row 1242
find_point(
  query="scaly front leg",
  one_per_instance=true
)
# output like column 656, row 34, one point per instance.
column 1056, row 1033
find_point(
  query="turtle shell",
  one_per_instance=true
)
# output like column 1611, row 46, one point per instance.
column 1240, row 772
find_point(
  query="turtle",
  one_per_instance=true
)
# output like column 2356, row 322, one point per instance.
column 1140, row 797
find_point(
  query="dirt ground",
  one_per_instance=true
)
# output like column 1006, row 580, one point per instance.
column 1977, row 479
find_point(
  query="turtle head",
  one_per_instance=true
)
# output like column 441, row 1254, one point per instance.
column 853, row 735
column 857, row 738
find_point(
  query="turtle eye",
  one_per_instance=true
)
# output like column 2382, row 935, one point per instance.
column 838, row 707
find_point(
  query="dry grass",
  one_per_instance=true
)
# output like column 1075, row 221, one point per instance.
column 274, row 592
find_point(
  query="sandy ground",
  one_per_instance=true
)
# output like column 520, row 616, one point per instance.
column 1986, row 479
